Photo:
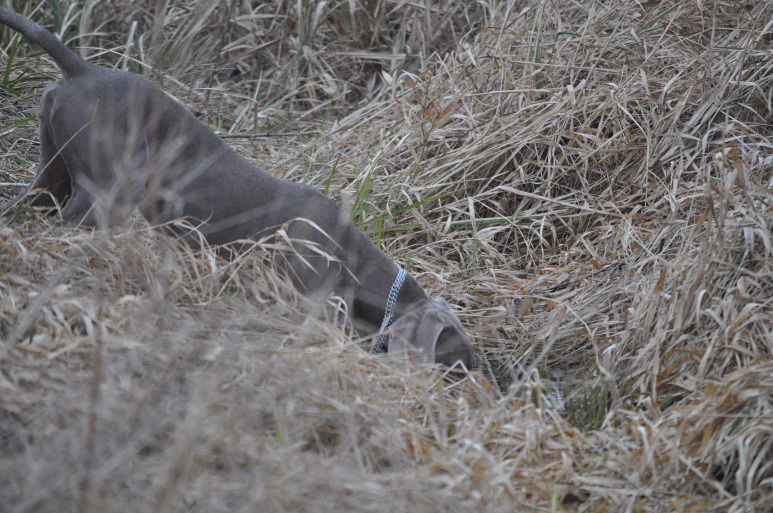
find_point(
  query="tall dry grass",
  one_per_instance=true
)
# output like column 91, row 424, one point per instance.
column 589, row 183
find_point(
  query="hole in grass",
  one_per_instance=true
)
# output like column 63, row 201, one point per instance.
column 587, row 407
column 584, row 405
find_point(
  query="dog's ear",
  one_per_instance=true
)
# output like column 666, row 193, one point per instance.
column 415, row 335
column 431, row 333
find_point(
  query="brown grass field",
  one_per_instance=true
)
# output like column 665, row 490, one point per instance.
column 587, row 183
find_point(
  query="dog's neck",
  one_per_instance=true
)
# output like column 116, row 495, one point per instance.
column 370, row 301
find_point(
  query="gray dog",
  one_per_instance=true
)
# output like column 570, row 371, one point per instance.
column 112, row 141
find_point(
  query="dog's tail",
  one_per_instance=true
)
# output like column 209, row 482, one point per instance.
column 67, row 60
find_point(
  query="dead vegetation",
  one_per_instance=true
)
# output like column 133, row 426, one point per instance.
column 589, row 183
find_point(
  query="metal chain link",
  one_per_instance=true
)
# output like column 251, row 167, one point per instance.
column 390, row 306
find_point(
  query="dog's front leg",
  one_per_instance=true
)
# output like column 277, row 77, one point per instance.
column 80, row 208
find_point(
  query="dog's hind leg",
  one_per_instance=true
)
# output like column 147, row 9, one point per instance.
column 52, row 184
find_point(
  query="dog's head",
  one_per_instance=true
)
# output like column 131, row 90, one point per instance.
column 429, row 333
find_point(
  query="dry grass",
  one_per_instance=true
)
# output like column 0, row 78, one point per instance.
column 590, row 182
